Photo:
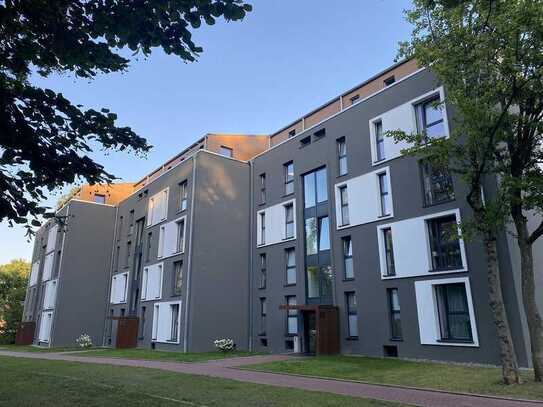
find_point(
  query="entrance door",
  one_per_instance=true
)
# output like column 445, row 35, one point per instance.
column 310, row 332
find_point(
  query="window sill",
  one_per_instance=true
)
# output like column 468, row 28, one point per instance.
column 261, row 288
column 453, row 341
column 388, row 215
column 396, row 339
column 351, row 338
column 289, row 285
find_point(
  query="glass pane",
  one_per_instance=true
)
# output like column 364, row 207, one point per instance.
column 312, row 282
column 342, row 148
column 380, row 150
column 343, row 166
column 345, row 215
column 291, row 275
column 353, row 325
column 351, row 302
column 456, row 298
column 289, row 230
column 396, row 326
column 311, row 236
column 432, row 112
column 289, row 188
column 291, row 258
column 436, row 130
column 349, row 272
column 289, row 172
column 322, row 190
column 326, row 282
column 324, row 234
column 292, row 325
column 289, row 213
column 344, row 196
column 309, row 190
column 394, row 300
column 347, row 247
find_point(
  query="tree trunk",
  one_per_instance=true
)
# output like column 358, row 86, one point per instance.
column 535, row 324
column 510, row 370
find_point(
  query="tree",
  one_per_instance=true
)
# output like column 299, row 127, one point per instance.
column 13, row 281
column 44, row 138
column 489, row 56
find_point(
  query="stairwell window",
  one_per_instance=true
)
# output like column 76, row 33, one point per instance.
column 444, row 243
column 348, row 258
column 289, row 177
column 183, row 195
column 291, row 266
column 263, row 314
column 289, row 221
column 344, row 200
column 395, row 317
column 384, row 194
column 352, row 315
column 430, row 118
column 263, row 272
column 389, row 252
column 262, row 188
column 263, row 228
column 379, row 141
column 342, row 156
column 453, row 311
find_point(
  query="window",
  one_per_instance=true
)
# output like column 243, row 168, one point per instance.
column 263, row 272
column 389, row 81
column 117, row 257
column 317, row 235
column 379, row 141
column 305, row 141
column 142, row 323
column 291, row 266
column 444, row 243
column 289, row 178
column 384, row 194
column 131, row 222
column 395, row 319
column 183, row 195
column 389, row 252
column 174, row 329
column 348, row 257
column 226, row 151
column 292, row 315
column 263, row 312
column 262, row 188
column 430, row 118
column 344, row 199
column 149, row 243
column 156, row 316
column 263, row 228
column 177, row 277
column 120, row 227
column 352, row 315
column 180, row 235
column 157, row 209
column 315, row 188
column 151, row 284
column 454, row 319
column 319, row 134
column 324, row 233
column 289, row 221
column 342, row 156
column 128, row 254
column 292, row 133
column 354, row 99
column 99, row 198
column 437, row 184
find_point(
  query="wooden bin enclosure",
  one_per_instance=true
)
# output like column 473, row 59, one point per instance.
column 326, row 326
column 127, row 332
column 25, row 333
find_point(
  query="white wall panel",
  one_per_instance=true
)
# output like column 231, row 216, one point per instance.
column 428, row 313
column 152, row 282
column 50, row 294
column 48, row 266
column 275, row 223
column 364, row 199
column 34, row 273
column 119, row 288
column 51, row 238
column 167, row 244
column 162, row 322
column 157, row 209
column 411, row 246
column 46, row 320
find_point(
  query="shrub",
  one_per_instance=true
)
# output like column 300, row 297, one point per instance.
column 225, row 345
column 84, row 341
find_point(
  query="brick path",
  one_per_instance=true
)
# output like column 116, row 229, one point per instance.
column 226, row 369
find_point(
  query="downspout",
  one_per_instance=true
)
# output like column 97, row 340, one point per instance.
column 189, row 262
column 110, row 277
column 251, row 223
column 58, row 279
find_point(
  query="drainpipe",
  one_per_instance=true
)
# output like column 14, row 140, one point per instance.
column 189, row 262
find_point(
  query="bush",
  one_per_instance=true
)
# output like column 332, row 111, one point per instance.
column 84, row 341
column 225, row 345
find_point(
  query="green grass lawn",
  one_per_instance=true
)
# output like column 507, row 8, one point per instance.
column 468, row 379
column 148, row 354
column 42, row 383
column 24, row 348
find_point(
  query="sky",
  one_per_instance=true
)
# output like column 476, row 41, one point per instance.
column 255, row 76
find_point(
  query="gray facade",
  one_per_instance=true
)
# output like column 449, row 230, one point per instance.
column 335, row 216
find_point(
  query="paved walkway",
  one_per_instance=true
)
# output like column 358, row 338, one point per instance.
column 226, row 368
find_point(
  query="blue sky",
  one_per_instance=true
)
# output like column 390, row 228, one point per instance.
column 254, row 76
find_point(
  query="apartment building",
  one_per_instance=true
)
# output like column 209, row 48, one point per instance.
column 320, row 238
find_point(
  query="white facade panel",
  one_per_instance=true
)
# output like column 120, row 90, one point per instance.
column 402, row 117
column 411, row 246
column 275, row 224
column 51, row 238
column 157, row 209
column 119, row 288
column 50, row 294
column 364, row 199
column 151, row 288
column 428, row 315
column 168, row 238
column 46, row 320
column 163, row 322
column 34, row 273
column 48, row 266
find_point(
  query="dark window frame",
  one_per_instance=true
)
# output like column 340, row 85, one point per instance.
column 263, row 268
column 183, row 196
column 291, row 314
column 289, row 208
column 263, row 316
column 177, row 289
column 395, row 335
column 427, row 176
column 262, row 188
column 347, row 257
column 445, row 320
column 440, row 250
column 388, row 246
column 380, row 153
column 262, row 216
column 421, row 116
column 289, row 267
column 341, row 144
column 350, row 311
column 344, row 204
column 289, row 180
column 384, row 193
